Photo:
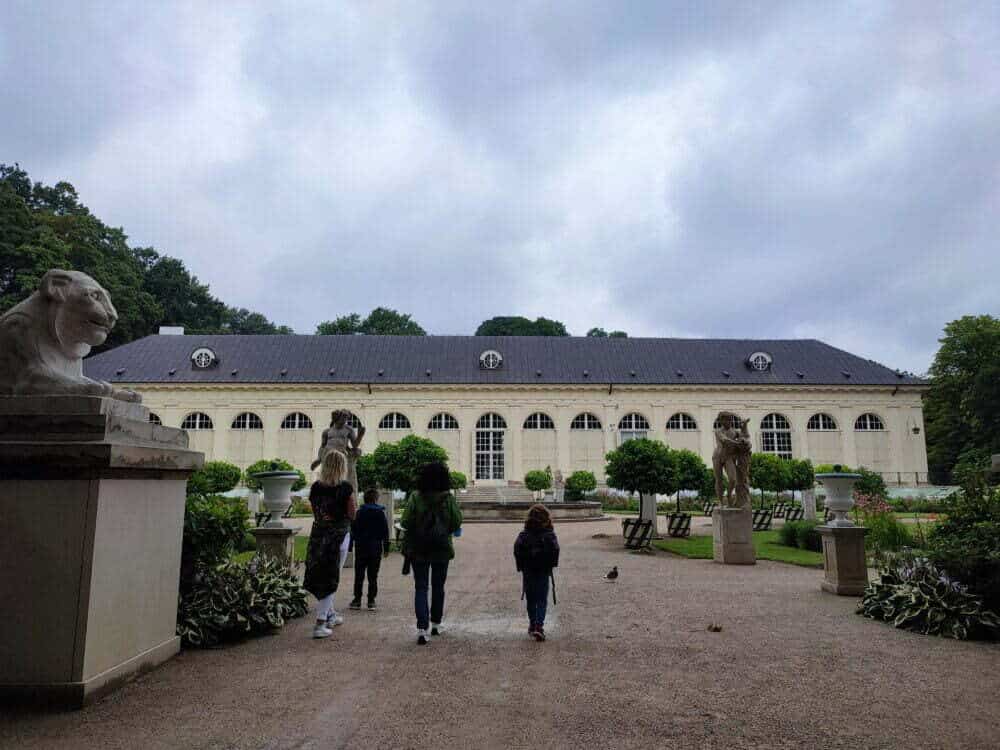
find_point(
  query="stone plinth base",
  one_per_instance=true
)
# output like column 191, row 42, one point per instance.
column 92, row 498
column 844, row 570
column 732, row 537
column 275, row 543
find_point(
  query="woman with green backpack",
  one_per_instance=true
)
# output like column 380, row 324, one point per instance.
column 430, row 518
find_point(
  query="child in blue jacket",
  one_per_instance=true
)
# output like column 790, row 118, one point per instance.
column 370, row 537
column 536, row 553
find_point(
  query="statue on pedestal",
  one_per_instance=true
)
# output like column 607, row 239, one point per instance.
column 44, row 339
column 340, row 436
column 732, row 456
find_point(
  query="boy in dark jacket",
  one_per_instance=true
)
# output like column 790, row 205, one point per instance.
column 370, row 536
column 536, row 553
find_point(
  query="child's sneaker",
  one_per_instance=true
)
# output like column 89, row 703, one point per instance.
column 436, row 628
column 371, row 605
column 539, row 633
column 321, row 631
column 355, row 604
column 421, row 637
column 333, row 620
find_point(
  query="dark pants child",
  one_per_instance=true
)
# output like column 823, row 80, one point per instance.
column 536, row 593
column 366, row 566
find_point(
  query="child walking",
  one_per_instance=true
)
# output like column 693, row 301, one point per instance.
column 536, row 553
column 370, row 532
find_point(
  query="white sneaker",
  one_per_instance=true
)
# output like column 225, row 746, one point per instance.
column 437, row 629
column 333, row 620
column 422, row 637
column 321, row 631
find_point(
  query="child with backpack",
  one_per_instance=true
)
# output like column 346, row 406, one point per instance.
column 536, row 553
column 370, row 536
column 430, row 518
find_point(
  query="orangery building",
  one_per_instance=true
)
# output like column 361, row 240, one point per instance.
column 501, row 406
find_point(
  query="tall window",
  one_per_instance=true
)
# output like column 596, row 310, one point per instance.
column 442, row 421
column 247, row 421
column 585, row 421
column 632, row 427
column 394, row 421
column 821, row 423
column 682, row 421
column 776, row 435
column 196, row 421
column 296, row 421
column 490, row 457
column 539, row 421
column 869, row 423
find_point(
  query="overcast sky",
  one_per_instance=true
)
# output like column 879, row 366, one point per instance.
column 817, row 169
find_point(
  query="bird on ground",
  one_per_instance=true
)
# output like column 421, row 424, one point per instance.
column 612, row 574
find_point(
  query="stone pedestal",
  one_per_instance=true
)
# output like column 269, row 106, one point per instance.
column 276, row 543
column 92, row 497
column 844, row 570
column 732, row 536
column 809, row 504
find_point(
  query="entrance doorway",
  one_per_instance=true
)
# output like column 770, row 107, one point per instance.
column 489, row 456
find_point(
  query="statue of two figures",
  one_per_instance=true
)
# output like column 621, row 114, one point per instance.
column 341, row 436
column 732, row 458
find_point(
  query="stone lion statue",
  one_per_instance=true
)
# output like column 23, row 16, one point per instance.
column 44, row 339
column 732, row 456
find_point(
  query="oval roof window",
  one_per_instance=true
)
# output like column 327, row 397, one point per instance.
column 759, row 361
column 203, row 358
column 490, row 360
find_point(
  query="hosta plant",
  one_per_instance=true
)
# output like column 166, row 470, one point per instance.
column 237, row 600
column 913, row 594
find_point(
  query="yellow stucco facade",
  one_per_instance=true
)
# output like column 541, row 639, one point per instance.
column 897, row 451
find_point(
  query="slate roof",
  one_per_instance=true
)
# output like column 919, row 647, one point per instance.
column 455, row 360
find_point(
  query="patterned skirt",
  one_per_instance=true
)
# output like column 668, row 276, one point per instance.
column 323, row 557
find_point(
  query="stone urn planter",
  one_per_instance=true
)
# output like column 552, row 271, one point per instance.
column 277, row 486
column 839, row 495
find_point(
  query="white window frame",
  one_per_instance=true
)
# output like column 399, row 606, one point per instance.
column 394, row 420
column 776, row 435
column 869, row 422
column 585, row 421
column 821, row 422
column 760, row 361
column 539, row 421
column 491, row 359
column 247, row 421
column 443, row 421
column 682, row 422
column 154, row 418
column 633, row 426
column 296, row 420
column 197, row 420
column 203, row 358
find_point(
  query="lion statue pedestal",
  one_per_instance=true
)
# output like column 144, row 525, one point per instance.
column 92, row 496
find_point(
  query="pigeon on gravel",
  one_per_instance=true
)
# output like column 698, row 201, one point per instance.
column 714, row 627
column 612, row 575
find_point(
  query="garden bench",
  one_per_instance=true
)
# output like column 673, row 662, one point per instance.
column 264, row 516
column 780, row 509
column 794, row 513
column 762, row 519
column 709, row 508
column 679, row 524
column 638, row 534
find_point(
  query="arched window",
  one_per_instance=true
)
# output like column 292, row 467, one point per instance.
column 682, row 421
column 196, row 421
column 491, row 422
column 247, row 421
column 491, row 359
column 442, row 421
column 394, row 421
column 759, row 361
column 585, row 421
column 776, row 436
column 296, row 421
column 632, row 427
column 154, row 418
column 869, row 423
column 821, row 423
column 539, row 421
column 353, row 421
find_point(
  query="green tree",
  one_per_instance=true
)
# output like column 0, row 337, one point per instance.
column 184, row 301
column 385, row 322
column 367, row 472
column 578, row 484
column 690, row 472
column 645, row 466
column 618, row 335
column 397, row 465
column 769, row 473
column 213, row 478
column 598, row 333
column 458, row 480
column 345, row 325
column 520, row 326
column 801, row 475
column 962, row 408
column 537, row 480
column 243, row 321
column 272, row 464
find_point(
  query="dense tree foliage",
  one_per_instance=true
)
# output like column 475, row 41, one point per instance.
column 600, row 333
column 645, row 466
column 380, row 322
column 397, row 465
column 520, row 326
column 962, row 408
column 43, row 227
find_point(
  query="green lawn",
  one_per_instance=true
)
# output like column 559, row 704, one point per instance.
column 765, row 544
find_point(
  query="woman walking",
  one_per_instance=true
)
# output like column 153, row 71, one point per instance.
column 333, row 506
column 430, row 518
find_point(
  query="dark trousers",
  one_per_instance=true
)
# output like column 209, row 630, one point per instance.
column 434, row 573
column 536, row 593
column 366, row 566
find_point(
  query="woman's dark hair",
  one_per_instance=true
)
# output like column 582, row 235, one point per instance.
column 434, row 477
column 538, row 518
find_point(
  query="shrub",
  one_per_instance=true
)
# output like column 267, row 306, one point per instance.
column 886, row 533
column 274, row 464
column 578, row 484
column 458, row 480
column 786, row 534
column 537, row 480
column 214, row 528
column 214, row 477
column 871, row 484
column 236, row 600
column 801, row 534
column 367, row 472
column 914, row 594
column 397, row 465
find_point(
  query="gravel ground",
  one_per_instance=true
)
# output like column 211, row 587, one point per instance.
column 628, row 664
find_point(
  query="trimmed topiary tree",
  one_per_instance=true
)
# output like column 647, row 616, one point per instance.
column 458, row 480
column 690, row 472
column 397, row 465
column 645, row 466
column 367, row 472
column 578, row 484
column 213, row 478
column 769, row 473
column 538, row 480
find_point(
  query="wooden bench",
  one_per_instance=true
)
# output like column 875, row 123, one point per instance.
column 709, row 507
column 795, row 513
column 780, row 509
column 638, row 534
column 762, row 519
column 679, row 524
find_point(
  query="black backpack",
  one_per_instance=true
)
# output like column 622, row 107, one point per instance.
column 431, row 531
column 538, row 551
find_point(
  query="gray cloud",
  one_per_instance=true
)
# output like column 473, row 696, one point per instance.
column 776, row 169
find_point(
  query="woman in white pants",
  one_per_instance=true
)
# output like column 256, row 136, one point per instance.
column 333, row 506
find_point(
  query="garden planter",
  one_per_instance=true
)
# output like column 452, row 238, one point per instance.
column 277, row 486
column 839, row 496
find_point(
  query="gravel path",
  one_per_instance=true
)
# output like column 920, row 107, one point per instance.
column 628, row 665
